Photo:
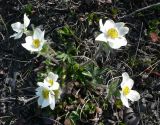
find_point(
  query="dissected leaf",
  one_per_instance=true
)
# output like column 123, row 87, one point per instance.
column 113, row 88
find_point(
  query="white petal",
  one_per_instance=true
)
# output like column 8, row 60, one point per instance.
column 55, row 86
column 53, row 76
column 40, row 101
column 45, row 103
column 52, row 106
column 29, row 40
column 40, row 84
column 125, row 77
column 27, row 46
column 52, row 101
column 42, row 36
column 26, row 21
column 119, row 25
column 109, row 24
column 18, row 27
column 38, row 89
column 17, row 35
column 101, row 37
column 102, row 28
column 126, row 81
column 51, row 98
column 46, row 82
column 130, row 83
column 38, row 93
column 124, row 100
column 123, row 31
column 133, row 95
column 37, row 49
column 43, row 85
column 37, row 33
column 117, row 43
column 52, row 93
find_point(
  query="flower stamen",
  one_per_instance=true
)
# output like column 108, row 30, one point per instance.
column 51, row 82
column 36, row 43
column 45, row 93
column 112, row 32
column 126, row 90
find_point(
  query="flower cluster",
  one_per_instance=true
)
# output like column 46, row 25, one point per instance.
column 48, row 91
column 34, row 40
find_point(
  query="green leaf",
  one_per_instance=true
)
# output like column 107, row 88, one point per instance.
column 87, row 73
column 28, row 8
column 66, row 30
column 74, row 116
column 113, row 88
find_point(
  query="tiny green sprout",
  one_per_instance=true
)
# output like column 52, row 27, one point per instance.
column 118, row 103
column 28, row 8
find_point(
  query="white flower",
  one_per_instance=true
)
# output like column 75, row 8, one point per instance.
column 46, row 96
column 127, row 93
column 113, row 33
column 20, row 28
column 35, row 43
column 51, row 81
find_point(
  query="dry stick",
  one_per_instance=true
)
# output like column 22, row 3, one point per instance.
column 147, row 7
column 30, row 99
column 156, row 63
column 55, row 121
column 5, row 117
column 138, row 42
column 1, row 20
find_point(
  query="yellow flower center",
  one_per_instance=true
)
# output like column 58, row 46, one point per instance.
column 112, row 33
column 126, row 90
column 45, row 93
column 36, row 43
column 51, row 82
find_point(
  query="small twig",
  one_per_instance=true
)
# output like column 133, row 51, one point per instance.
column 5, row 117
column 138, row 42
column 55, row 121
column 156, row 63
column 1, row 20
column 82, row 111
column 20, row 3
column 30, row 99
column 7, row 99
column 147, row 7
